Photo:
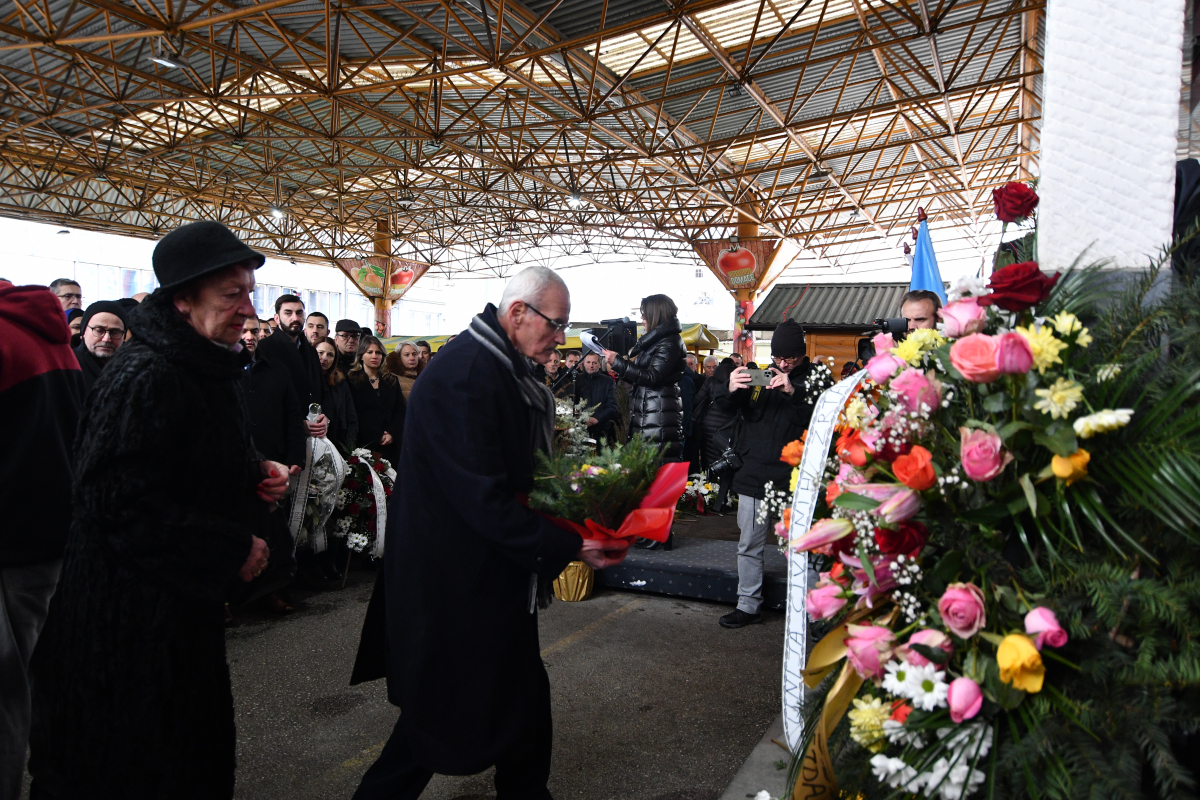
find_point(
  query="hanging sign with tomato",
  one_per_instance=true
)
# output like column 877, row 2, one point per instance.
column 370, row 274
column 739, row 265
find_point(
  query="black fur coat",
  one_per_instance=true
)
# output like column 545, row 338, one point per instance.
column 132, row 695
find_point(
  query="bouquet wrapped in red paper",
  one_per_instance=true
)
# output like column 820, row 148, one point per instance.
column 620, row 493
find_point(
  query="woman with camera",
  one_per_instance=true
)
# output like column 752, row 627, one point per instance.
column 654, row 367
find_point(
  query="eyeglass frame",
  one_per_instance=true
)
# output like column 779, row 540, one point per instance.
column 558, row 325
column 114, row 333
column 348, row 335
column 69, row 296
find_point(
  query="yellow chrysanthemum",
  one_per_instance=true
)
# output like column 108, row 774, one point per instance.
column 1060, row 399
column 1066, row 323
column 1044, row 346
column 909, row 350
column 866, row 722
column 1084, row 338
column 795, row 479
column 855, row 413
column 928, row 338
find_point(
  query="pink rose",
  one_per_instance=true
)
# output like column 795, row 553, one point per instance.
column 903, row 505
column 883, row 342
column 1041, row 621
column 963, row 317
column 983, row 456
column 823, row 532
column 928, row 637
column 869, row 648
column 975, row 357
column 915, row 389
column 1013, row 355
column 883, row 366
column 823, row 602
column 962, row 609
column 965, row 699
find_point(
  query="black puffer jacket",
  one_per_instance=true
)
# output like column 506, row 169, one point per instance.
column 131, row 689
column 656, row 410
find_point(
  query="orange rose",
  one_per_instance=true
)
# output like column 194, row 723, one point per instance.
column 787, row 518
column 792, row 452
column 915, row 469
column 852, row 449
column 831, row 493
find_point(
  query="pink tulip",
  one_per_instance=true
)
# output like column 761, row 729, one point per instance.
column 823, row 602
column 975, row 357
column 963, row 317
column 903, row 505
column 1013, row 355
column 823, row 532
column 962, row 609
column 1041, row 621
column 883, row 366
column 965, row 699
column 885, row 581
column 928, row 637
column 869, row 648
column 983, row 456
column 915, row 390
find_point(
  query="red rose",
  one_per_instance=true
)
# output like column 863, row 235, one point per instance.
column 1014, row 201
column 1018, row 287
column 371, row 525
column 909, row 537
column 846, row 544
column 379, row 467
column 353, row 510
column 353, row 460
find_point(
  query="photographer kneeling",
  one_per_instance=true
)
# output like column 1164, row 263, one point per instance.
column 771, row 416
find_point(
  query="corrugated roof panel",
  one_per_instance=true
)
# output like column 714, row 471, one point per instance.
column 815, row 305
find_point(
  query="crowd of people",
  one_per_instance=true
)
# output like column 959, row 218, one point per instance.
column 184, row 425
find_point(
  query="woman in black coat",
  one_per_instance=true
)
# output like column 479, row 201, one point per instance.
column 339, row 403
column 708, row 418
column 378, row 401
column 654, row 367
column 131, row 688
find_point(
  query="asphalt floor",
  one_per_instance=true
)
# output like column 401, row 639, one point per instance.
column 652, row 699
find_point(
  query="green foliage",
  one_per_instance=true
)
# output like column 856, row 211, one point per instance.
column 603, row 487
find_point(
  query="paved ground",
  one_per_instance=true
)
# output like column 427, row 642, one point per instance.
column 652, row 699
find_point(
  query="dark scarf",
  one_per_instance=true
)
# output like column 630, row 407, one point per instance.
column 90, row 365
column 536, row 396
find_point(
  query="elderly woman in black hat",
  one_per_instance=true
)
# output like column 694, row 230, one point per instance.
column 132, row 695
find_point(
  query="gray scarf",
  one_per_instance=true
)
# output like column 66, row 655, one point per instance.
column 537, row 397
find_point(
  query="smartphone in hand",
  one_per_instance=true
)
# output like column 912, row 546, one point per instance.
column 760, row 377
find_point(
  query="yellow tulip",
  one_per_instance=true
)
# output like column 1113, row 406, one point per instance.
column 1020, row 663
column 1073, row 467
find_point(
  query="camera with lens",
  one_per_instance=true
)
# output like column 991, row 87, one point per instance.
column 896, row 326
column 729, row 463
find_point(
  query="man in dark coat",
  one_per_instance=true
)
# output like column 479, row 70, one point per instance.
column 772, row 416
column 41, row 390
column 466, row 563
column 131, row 688
column 103, row 332
column 593, row 387
column 288, row 348
column 346, row 337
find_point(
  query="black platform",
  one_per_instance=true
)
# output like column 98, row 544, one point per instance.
column 702, row 569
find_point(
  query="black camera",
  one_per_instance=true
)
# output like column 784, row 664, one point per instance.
column 896, row 326
column 618, row 335
column 724, row 467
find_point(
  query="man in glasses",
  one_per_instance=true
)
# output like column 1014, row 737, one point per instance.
column 103, row 329
column 346, row 335
column 68, row 292
column 772, row 416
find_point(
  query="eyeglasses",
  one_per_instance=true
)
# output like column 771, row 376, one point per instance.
column 70, row 296
column 351, row 336
column 787, row 359
column 557, row 324
column 107, row 333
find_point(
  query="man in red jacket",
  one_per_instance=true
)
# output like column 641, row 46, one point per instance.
column 41, row 388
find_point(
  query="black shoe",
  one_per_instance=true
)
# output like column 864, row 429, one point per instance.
column 739, row 619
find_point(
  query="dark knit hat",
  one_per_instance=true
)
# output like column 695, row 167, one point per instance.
column 197, row 249
column 788, row 340
column 347, row 326
column 104, row 307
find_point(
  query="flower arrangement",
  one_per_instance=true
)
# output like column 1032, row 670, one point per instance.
column 1006, row 550
column 570, row 424
column 613, row 493
column 355, row 517
column 697, row 490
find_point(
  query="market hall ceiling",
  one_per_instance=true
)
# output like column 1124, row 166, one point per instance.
column 464, row 128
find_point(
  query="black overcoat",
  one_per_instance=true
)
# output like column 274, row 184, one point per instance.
column 302, row 363
column 131, row 689
column 463, row 657
column 378, row 411
column 276, row 418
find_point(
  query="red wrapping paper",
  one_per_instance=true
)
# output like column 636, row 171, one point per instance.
column 652, row 520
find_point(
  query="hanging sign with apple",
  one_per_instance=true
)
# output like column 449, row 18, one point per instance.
column 738, row 264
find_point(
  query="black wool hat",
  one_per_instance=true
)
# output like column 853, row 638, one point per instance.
column 113, row 307
column 197, row 249
column 347, row 326
column 788, row 340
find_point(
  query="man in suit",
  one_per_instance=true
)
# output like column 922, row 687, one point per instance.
column 288, row 348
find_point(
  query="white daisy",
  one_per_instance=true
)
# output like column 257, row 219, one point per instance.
column 928, row 687
column 1102, row 422
column 896, row 678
